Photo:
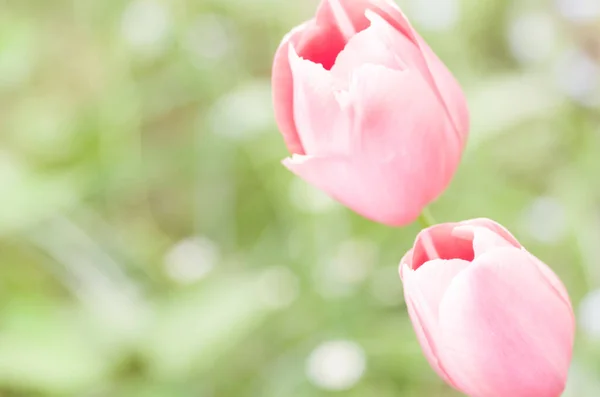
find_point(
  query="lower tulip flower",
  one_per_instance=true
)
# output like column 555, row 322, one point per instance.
column 492, row 319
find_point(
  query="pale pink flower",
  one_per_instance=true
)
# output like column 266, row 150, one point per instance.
column 492, row 319
column 368, row 111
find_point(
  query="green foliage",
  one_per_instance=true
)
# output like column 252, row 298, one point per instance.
column 153, row 246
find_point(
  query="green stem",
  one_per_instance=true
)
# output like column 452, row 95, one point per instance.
column 426, row 219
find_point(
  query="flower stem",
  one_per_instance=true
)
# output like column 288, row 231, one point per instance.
column 426, row 219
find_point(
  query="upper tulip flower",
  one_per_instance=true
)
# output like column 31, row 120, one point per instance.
column 369, row 113
column 492, row 319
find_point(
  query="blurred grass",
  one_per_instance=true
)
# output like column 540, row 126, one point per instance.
column 131, row 129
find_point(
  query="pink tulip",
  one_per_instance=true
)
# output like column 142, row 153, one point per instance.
column 369, row 113
column 492, row 319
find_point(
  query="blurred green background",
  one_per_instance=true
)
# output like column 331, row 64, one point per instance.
column 151, row 244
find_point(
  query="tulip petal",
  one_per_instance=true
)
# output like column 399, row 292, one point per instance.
column 405, row 263
column 283, row 91
column 342, row 179
column 329, row 13
column 320, row 121
column 379, row 44
column 348, row 16
column 396, row 122
column 424, row 289
column 319, row 43
column 447, row 88
column 482, row 239
column 440, row 242
column 495, row 227
column 465, row 240
column 357, row 185
column 340, row 12
column 553, row 280
column 504, row 329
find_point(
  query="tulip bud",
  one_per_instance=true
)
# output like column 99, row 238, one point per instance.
column 492, row 319
column 369, row 113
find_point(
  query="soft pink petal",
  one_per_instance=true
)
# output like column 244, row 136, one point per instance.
column 333, row 175
column 439, row 242
column 354, row 184
column 482, row 238
column 447, row 88
column 504, row 329
column 553, row 280
column 349, row 15
column 465, row 240
column 424, row 289
column 321, row 124
column 283, row 91
column 405, row 263
column 379, row 44
column 362, row 187
column 319, row 43
column 394, row 15
column 495, row 227
column 346, row 16
column 390, row 40
column 399, row 122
